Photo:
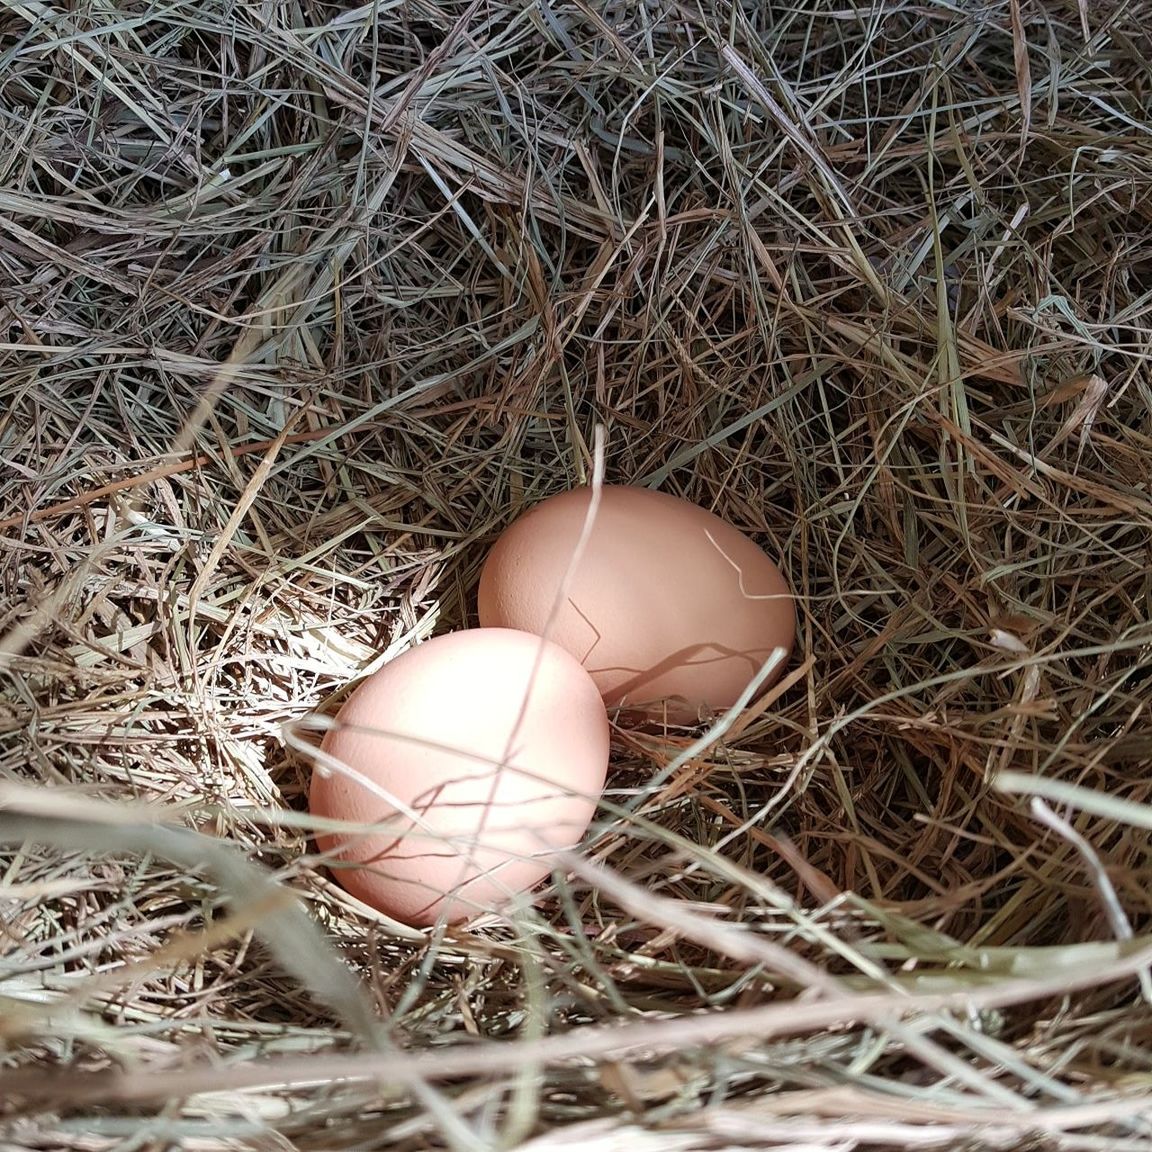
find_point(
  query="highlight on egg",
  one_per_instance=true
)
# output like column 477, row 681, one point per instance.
column 475, row 757
column 670, row 608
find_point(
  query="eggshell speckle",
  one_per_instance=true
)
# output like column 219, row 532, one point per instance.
column 496, row 740
column 667, row 603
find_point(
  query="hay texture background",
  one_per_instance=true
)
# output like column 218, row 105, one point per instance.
column 301, row 303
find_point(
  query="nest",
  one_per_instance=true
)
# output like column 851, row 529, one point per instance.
column 303, row 304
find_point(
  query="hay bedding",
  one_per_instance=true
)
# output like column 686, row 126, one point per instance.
column 302, row 303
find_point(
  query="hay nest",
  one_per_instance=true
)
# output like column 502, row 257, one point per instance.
column 301, row 304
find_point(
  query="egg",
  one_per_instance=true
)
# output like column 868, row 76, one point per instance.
column 477, row 756
column 670, row 608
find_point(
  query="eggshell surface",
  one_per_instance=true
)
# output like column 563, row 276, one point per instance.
column 490, row 747
column 669, row 607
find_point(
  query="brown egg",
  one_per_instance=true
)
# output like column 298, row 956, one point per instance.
column 481, row 753
column 667, row 603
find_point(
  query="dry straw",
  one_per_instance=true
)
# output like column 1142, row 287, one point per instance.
column 300, row 306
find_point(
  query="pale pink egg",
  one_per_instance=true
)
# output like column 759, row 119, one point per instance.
column 481, row 754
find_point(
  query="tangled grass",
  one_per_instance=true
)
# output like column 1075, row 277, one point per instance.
column 301, row 304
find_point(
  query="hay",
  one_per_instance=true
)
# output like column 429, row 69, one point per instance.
column 300, row 305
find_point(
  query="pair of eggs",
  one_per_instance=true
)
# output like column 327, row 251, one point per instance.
column 469, row 761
